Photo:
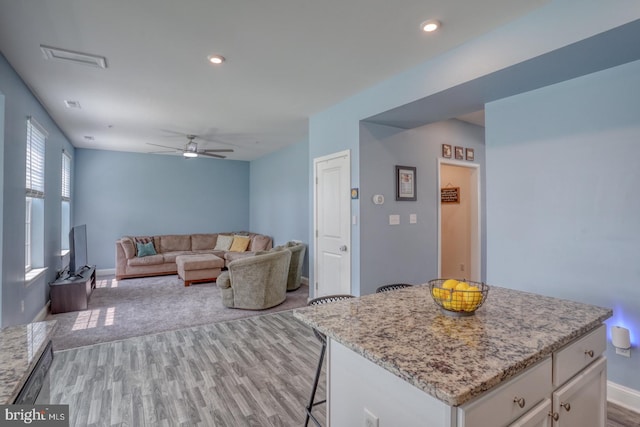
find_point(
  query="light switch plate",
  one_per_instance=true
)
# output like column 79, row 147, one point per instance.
column 413, row 218
column 394, row 219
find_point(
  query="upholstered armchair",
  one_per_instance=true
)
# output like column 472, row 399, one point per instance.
column 297, row 250
column 257, row 282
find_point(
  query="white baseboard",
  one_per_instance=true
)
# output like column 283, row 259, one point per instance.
column 623, row 396
column 106, row 272
column 42, row 314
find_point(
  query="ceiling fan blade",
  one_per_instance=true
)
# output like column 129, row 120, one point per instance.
column 218, row 150
column 162, row 152
column 211, row 155
column 164, row 146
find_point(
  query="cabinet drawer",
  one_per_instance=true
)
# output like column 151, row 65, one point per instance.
column 572, row 358
column 501, row 406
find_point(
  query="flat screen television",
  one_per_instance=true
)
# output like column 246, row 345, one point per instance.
column 77, row 248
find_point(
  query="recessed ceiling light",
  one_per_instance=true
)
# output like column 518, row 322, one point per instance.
column 430, row 25
column 216, row 59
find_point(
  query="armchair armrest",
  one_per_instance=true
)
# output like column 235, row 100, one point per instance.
column 223, row 280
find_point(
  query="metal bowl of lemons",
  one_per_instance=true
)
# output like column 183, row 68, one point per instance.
column 458, row 297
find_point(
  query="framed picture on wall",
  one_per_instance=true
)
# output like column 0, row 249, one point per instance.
column 446, row 151
column 470, row 155
column 459, row 153
column 406, row 183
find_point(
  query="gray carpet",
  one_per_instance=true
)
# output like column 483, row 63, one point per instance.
column 136, row 307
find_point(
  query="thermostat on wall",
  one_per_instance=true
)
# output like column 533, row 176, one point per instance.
column 378, row 199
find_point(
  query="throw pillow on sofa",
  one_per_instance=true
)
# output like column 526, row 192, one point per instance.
column 240, row 244
column 145, row 249
column 223, row 243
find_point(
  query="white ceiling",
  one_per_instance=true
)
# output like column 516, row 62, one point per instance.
column 286, row 60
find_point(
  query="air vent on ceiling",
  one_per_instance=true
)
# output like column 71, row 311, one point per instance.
column 74, row 57
column 72, row 104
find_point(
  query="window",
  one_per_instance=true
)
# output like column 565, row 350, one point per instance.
column 66, row 201
column 34, row 215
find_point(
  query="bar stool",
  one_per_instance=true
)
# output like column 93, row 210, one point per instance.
column 392, row 287
column 323, row 339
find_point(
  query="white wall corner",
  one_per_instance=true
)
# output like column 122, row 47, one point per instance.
column 623, row 396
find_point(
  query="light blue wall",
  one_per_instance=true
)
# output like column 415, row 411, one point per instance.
column 279, row 195
column 118, row 194
column 563, row 197
column 406, row 252
column 19, row 104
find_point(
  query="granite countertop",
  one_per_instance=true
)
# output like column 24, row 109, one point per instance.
column 21, row 346
column 453, row 358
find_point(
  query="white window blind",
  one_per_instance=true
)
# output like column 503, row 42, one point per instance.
column 66, row 176
column 36, row 137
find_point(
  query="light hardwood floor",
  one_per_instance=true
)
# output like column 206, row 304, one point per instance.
column 251, row 372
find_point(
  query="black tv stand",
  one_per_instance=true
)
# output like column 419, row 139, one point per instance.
column 72, row 293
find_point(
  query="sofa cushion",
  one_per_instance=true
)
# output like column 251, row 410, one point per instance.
column 146, row 260
column 223, row 243
column 201, row 242
column 129, row 247
column 142, row 239
column 171, row 256
column 240, row 244
column 260, row 242
column 145, row 249
column 174, row 242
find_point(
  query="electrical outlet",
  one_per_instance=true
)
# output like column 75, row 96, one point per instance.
column 370, row 420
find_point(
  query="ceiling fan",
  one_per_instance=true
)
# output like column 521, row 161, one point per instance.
column 191, row 150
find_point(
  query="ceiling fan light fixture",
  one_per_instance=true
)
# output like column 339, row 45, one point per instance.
column 216, row 59
column 430, row 25
column 190, row 154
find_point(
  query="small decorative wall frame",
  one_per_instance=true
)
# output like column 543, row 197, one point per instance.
column 406, row 183
column 459, row 151
column 470, row 155
column 446, row 151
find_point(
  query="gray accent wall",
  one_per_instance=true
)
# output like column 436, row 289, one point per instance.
column 19, row 103
column 120, row 194
column 563, row 197
column 279, row 195
column 406, row 253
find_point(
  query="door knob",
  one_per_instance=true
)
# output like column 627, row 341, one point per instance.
column 343, row 248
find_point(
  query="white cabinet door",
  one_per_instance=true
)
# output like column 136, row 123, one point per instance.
column 583, row 400
column 536, row 417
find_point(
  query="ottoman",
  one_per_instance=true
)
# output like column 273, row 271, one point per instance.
column 199, row 268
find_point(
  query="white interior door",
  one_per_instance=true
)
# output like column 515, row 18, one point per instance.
column 332, row 211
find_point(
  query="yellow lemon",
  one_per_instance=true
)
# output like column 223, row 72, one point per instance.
column 472, row 298
column 449, row 284
column 457, row 300
column 462, row 286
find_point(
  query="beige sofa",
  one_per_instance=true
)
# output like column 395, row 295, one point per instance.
column 168, row 247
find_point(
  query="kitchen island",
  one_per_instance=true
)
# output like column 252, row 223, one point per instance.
column 397, row 357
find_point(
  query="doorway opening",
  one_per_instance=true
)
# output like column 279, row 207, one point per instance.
column 459, row 222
